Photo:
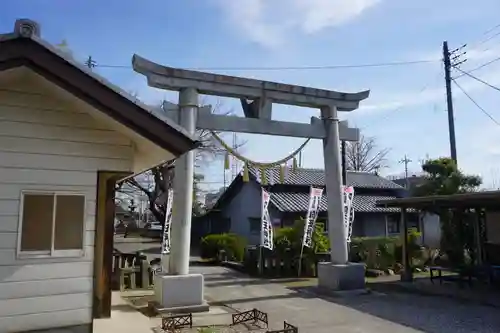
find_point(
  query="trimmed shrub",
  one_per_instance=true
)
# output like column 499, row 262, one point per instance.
column 232, row 244
column 375, row 252
column 385, row 252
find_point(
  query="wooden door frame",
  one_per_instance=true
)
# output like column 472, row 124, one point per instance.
column 103, row 241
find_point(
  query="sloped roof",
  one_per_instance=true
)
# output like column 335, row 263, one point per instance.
column 24, row 47
column 293, row 201
column 316, row 177
column 299, row 202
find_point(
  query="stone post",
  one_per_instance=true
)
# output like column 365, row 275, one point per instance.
column 339, row 274
column 183, row 188
column 333, row 181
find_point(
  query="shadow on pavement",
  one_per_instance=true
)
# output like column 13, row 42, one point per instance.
column 254, row 299
column 430, row 314
column 151, row 250
column 427, row 313
column 221, row 282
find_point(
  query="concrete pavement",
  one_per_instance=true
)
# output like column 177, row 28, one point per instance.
column 125, row 319
column 374, row 313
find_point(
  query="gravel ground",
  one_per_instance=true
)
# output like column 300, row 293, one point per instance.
column 394, row 312
column 374, row 313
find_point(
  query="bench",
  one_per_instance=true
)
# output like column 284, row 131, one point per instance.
column 462, row 274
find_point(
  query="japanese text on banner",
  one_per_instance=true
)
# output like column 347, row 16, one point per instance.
column 315, row 195
column 266, row 236
column 165, row 245
column 348, row 197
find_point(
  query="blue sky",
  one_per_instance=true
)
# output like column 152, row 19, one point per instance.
column 400, row 113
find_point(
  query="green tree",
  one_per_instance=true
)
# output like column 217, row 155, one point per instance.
column 442, row 177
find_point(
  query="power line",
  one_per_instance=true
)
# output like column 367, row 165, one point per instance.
column 475, row 45
column 479, row 67
column 279, row 68
column 488, row 39
column 478, row 79
column 475, row 103
column 491, row 29
column 403, row 105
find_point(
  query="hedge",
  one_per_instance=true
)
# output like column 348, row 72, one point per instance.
column 232, row 244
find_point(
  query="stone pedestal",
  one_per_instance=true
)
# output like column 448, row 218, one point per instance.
column 180, row 293
column 346, row 277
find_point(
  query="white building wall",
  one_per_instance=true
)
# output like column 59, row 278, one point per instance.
column 431, row 230
column 46, row 144
column 244, row 205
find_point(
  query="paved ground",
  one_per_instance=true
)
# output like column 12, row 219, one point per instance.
column 394, row 312
column 150, row 247
column 398, row 313
column 124, row 319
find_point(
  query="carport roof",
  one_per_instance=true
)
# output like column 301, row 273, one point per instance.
column 464, row 200
column 24, row 47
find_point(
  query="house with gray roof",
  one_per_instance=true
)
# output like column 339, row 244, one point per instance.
column 238, row 209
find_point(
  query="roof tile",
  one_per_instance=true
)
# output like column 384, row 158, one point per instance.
column 316, row 177
column 299, row 202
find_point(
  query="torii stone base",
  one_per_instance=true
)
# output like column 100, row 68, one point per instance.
column 179, row 293
column 341, row 277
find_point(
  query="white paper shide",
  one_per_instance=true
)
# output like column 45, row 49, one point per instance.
column 348, row 196
column 165, row 244
column 315, row 195
column 266, row 231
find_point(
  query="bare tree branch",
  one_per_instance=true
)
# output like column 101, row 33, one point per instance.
column 364, row 155
column 162, row 176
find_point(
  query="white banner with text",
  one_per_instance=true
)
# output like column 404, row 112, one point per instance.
column 348, row 197
column 165, row 244
column 266, row 231
column 315, row 195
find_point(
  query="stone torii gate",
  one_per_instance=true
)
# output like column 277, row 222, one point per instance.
column 184, row 289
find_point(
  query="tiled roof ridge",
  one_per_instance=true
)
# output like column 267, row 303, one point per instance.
column 319, row 170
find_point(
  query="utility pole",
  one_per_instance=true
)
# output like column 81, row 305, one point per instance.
column 450, row 60
column 449, row 101
column 406, row 161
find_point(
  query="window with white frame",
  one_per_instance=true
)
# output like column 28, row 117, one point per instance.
column 52, row 224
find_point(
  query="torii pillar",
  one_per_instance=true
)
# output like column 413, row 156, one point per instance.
column 182, row 288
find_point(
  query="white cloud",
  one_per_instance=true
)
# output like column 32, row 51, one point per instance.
column 415, row 98
column 270, row 23
column 321, row 14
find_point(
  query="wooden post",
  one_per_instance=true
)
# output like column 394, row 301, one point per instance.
column 407, row 275
column 103, row 249
column 477, row 236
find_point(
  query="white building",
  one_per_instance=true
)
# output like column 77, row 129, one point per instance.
column 66, row 137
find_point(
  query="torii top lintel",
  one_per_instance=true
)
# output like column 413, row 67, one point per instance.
column 170, row 78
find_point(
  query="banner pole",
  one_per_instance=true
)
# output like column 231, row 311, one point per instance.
column 261, row 268
column 300, row 260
